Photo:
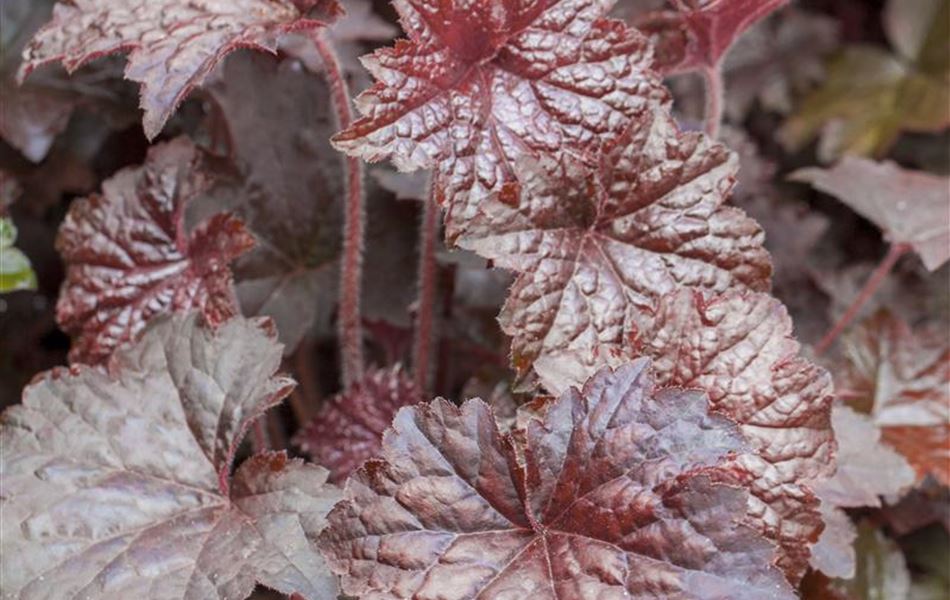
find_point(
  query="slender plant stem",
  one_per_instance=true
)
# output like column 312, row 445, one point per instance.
column 712, row 77
column 873, row 283
column 425, row 305
column 259, row 438
column 354, row 222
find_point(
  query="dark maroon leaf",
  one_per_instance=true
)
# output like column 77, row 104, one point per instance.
column 172, row 45
column 349, row 428
column 910, row 207
column 478, row 86
column 593, row 247
column 623, row 494
column 117, row 485
column 695, row 34
column 901, row 377
column 277, row 118
column 128, row 257
column 738, row 348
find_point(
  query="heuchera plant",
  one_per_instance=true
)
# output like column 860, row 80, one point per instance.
column 558, row 237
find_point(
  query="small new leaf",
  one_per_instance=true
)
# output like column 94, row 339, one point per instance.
column 594, row 247
column 128, row 257
column 910, row 207
column 172, row 45
column 349, row 428
column 16, row 272
column 626, row 491
column 479, row 85
column 117, row 484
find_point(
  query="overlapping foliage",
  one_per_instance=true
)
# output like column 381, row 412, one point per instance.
column 658, row 423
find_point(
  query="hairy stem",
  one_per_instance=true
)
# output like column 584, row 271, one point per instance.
column 260, row 442
column 354, row 222
column 712, row 77
column 873, row 283
column 425, row 305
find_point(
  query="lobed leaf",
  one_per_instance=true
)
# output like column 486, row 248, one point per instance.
column 117, row 484
column 128, row 257
column 476, row 87
column 625, row 491
column 901, row 378
column 872, row 95
column 910, row 207
column 349, row 428
column 738, row 348
column 593, row 248
column 172, row 45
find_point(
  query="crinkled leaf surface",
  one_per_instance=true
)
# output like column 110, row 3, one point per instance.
column 739, row 349
column 871, row 94
column 910, row 207
column 695, row 34
column 902, row 379
column 172, row 45
column 478, row 85
column 128, row 257
column 593, row 247
column 621, row 496
column 116, row 485
column 349, row 428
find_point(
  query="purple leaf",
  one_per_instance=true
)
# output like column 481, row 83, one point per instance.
column 625, row 491
column 128, row 257
column 117, row 485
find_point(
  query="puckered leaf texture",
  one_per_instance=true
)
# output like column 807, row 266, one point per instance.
column 116, row 484
column 172, row 45
column 594, row 247
column 910, row 207
column 128, row 257
column 901, row 377
column 349, row 428
column 694, row 34
column 626, row 491
column 479, row 85
column 739, row 349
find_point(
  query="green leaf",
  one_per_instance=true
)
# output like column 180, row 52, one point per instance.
column 871, row 94
column 16, row 273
